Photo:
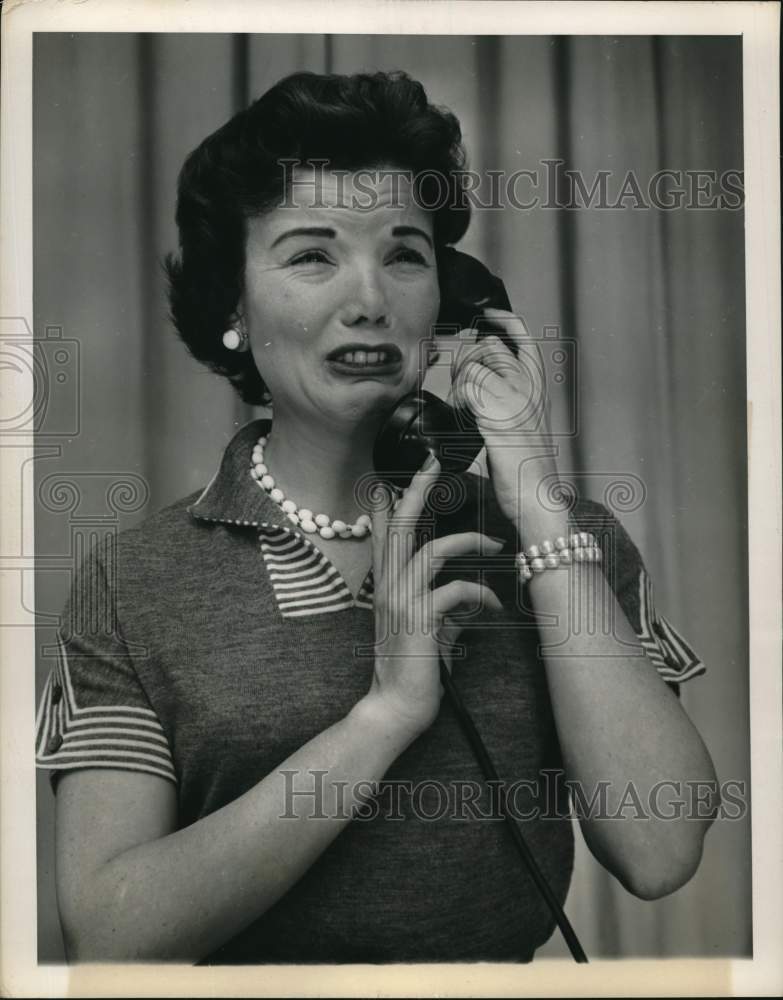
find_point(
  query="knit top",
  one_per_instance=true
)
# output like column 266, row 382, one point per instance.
column 207, row 644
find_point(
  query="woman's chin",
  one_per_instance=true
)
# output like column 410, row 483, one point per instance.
column 372, row 390
column 371, row 406
column 368, row 404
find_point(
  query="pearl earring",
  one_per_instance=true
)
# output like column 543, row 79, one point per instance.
column 233, row 339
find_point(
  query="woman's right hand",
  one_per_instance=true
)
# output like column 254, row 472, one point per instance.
column 412, row 625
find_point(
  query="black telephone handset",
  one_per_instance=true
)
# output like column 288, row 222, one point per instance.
column 422, row 423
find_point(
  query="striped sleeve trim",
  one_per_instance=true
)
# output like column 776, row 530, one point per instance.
column 120, row 736
column 669, row 652
column 304, row 581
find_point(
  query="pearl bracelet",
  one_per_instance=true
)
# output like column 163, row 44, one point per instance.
column 579, row 547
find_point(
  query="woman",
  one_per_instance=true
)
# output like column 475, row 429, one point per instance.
column 243, row 669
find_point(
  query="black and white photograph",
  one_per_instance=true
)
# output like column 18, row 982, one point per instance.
column 392, row 572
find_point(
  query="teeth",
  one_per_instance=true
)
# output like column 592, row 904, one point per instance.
column 363, row 357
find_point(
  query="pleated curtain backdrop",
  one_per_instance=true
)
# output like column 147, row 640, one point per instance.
column 653, row 302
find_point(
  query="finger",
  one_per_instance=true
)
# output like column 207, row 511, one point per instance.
column 466, row 341
column 476, row 389
column 431, row 558
column 401, row 531
column 380, row 520
column 446, row 636
column 471, row 352
column 523, row 375
column 495, row 353
column 498, row 357
column 513, row 324
column 511, row 320
column 476, row 375
column 492, row 354
column 465, row 594
column 449, row 629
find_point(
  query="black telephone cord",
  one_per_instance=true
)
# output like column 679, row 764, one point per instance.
column 485, row 761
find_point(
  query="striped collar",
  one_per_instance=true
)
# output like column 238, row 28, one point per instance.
column 305, row 582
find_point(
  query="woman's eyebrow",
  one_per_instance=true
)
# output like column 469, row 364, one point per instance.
column 306, row 231
column 411, row 231
column 329, row 233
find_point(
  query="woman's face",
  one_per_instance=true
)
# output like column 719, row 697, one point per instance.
column 341, row 291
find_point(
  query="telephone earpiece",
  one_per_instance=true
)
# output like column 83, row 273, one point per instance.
column 466, row 288
column 421, row 423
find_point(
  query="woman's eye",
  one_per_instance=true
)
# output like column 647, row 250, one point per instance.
column 311, row 257
column 408, row 256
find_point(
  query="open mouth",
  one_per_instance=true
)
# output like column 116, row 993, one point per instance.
column 366, row 358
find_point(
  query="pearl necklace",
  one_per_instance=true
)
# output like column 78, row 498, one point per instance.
column 307, row 521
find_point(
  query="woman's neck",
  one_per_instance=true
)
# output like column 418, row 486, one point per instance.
column 319, row 466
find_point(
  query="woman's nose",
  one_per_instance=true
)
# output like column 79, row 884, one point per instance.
column 366, row 299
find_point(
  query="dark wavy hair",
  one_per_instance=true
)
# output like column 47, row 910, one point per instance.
column 351, row 122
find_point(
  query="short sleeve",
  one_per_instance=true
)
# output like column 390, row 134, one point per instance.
column 663, row 645
column 94, row 711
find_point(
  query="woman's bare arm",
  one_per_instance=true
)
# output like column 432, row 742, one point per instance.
column 131, row 886
column 627, row 743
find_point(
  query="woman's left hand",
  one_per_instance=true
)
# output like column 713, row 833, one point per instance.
column 509, row 399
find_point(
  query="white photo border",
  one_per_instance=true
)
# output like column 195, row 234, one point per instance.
column 758, row 23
